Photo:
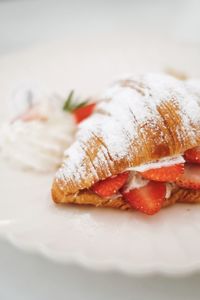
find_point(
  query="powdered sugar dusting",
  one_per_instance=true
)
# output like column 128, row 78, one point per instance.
column 120, row 118
column 193, row 86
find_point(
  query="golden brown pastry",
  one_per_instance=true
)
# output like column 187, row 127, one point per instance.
column 131, row 152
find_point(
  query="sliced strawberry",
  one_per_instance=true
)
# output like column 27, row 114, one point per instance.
column 191, row 177
column 83, row 112
column 169, row 174
column 110, row 186
column 147, row 199
column 193, row 155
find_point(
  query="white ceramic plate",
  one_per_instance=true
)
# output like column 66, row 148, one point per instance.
column 98, row 238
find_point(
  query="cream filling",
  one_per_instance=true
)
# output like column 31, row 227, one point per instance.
column 135, row 181
column 164, row 162
column 169, row 188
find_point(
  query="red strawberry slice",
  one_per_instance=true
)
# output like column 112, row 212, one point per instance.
column 83, row 112
column 191, row 177
column 193, row 155
column 110, row 186
column 169, row 174
column 147, row 199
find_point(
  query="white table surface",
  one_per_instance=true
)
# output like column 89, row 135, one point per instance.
column 27, row 23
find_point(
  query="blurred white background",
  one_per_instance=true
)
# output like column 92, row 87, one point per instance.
column 26, row 23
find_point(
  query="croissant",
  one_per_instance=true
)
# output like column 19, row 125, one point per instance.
column 147, row 127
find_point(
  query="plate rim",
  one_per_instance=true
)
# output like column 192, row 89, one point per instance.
column 88, row 263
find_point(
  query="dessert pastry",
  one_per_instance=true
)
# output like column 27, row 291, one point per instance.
column 139, row 149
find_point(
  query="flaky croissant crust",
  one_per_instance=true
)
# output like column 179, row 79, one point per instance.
column 86, row 197
column 138, row 120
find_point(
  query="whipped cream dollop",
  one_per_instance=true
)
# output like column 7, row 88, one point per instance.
column 37, row 138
